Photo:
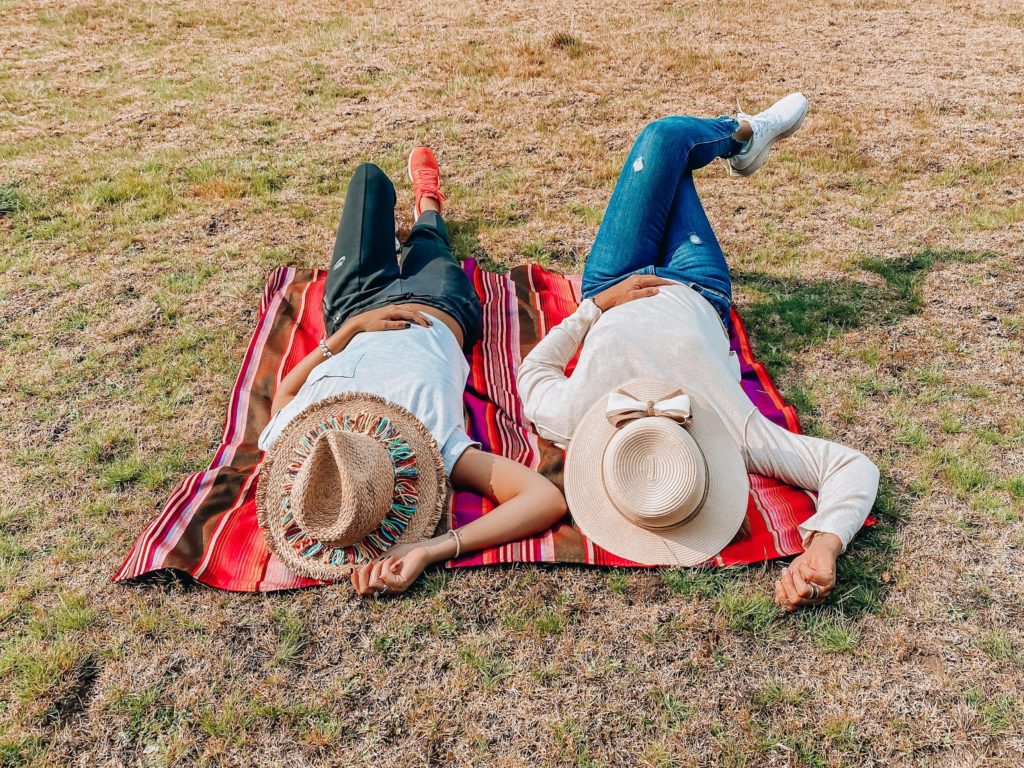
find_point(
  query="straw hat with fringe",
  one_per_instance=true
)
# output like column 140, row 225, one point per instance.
column 347, row 479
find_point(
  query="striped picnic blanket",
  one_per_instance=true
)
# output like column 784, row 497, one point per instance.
column 208, row 527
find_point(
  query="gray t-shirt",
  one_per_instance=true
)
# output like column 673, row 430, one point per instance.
column 421, row 369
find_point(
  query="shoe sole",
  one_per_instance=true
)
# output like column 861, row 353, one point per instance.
column 761, row 156
column 408, row 167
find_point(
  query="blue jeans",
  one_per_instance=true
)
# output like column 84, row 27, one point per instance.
column 655, row 223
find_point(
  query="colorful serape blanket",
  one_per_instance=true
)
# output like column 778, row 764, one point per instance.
column 208, row 527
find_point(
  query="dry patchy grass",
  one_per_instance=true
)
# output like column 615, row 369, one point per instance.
column 156, row 160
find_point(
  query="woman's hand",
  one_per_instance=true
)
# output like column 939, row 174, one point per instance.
column 633, row 287
column 396, row 571
column 389, row 318
column 526, row 504
column 810, row 578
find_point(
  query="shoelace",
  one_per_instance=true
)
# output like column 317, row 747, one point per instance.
column 427, row 180
column 760, row 123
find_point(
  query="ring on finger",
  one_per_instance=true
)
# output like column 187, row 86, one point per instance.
column 814, row 591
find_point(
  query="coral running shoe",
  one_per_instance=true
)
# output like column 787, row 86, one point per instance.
column 425, row 177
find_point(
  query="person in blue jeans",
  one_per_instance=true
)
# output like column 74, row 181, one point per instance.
column 655, row 243
column 655, row 223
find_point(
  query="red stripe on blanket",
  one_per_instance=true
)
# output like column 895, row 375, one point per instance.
column 208, row 527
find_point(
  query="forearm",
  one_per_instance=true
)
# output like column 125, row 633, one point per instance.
column 516, row 519
column 846, row 480
column 556, row 349
column 845, row 498
column 542, row 372
column 292, row 383
column 526, row 503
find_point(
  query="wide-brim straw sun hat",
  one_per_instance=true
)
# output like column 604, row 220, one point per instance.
column 349, row 478
column 653, row 475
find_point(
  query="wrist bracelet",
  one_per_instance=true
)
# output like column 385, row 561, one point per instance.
column 324, row 350
column 458, row 542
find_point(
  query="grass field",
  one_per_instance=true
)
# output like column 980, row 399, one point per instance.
column 156, row 160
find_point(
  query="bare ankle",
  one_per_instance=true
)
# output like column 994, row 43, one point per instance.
column 429, row 204
column 744, row 132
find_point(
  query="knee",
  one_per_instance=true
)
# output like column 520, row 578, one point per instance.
column 657, row 134
column 369, row 172
column 370, row 178
column 669, row 125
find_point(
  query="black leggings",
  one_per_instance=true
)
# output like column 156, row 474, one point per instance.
column 365, row 272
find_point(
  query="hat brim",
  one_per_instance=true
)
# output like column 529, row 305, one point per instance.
column 299, row 551
column 692, row 543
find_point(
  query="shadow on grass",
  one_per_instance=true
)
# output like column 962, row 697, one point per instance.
column 785, row 317
column 465, row 240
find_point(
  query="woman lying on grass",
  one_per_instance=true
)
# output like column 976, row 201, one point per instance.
column 367, row 429
column 661, row 436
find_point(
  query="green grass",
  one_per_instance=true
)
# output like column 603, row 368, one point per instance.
column 146, row 712
column 1000, row 713
column 292, row 636
column 754, row 614
column 775, row 693
column 229, row 178
column 910, row 433
column 617, row 582
column 21, row 752
column 137, row 195
column 572, row 45
column 587, row 215
column 12, row 199
column 49, row 678
column 840, row 155
column 537, row 616
column 572, row 745
column 999, row 646
column 675, row 709
column 702, row 582
column 996, row 217
column 831, row 631
column 1015, row 485
column 787, row 315
column 964, row 472
column 488, row 663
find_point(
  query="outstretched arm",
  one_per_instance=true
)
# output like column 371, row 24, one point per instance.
column 527, row 503
column 846, row 482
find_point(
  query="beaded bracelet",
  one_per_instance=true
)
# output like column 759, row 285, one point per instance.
column 324, row 350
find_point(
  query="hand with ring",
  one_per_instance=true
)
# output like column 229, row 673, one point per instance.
column 810, row 578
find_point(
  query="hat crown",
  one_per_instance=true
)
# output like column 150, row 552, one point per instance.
column 344, row 487
column 655, row 473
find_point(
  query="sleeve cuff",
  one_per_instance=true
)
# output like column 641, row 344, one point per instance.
column 451, row 454
column 589, row 310
column 807, row 531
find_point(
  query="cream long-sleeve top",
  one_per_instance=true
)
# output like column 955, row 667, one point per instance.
column 676, row 335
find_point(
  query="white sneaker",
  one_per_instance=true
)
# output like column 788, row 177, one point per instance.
column 779, row 121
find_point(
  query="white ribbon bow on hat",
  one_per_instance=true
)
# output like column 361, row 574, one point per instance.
column 624, row 408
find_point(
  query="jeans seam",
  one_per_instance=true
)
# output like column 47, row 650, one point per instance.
column 702, row 143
